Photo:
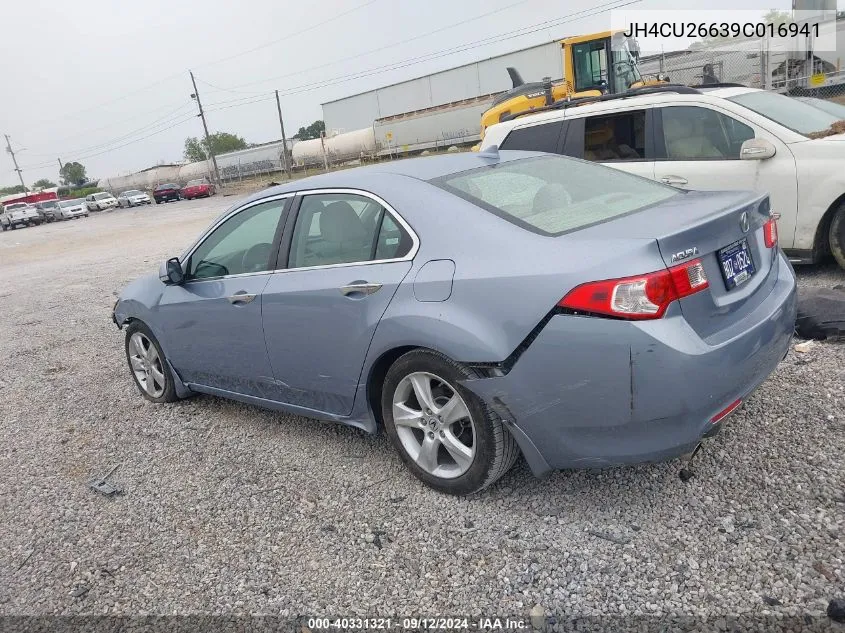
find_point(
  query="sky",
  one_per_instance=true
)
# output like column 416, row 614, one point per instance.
column 106, row 82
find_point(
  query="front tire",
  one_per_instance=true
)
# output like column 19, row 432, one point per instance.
column 148, row 365
column 837, row 236
column 444, row 433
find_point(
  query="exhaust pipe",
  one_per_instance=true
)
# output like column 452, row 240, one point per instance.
column 516, row 78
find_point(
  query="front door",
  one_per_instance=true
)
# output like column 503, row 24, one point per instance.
column 213, row 320
column 699, row 148
column 348, row 254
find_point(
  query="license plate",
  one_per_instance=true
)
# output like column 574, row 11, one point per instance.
column 736, row 262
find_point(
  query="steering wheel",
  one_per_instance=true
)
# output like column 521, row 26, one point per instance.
column 256, row 258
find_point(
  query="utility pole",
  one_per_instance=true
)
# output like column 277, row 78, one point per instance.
column 15, row 161
column 196, row 96
column 284, row 139
column 61, row 167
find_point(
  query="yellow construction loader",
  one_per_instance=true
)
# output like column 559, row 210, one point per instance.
column 593, row 65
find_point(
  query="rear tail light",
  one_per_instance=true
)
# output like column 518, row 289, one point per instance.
column 770, row 231
column 641, row 297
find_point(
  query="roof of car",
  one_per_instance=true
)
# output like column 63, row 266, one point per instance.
column 622, row 101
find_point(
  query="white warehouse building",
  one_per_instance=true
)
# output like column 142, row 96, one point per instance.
column 442, row 108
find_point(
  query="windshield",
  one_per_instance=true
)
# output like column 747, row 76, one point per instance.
column 16, row 205
column 552, row 195
column 194, row 183
column 790, row 113
column 133, row 192
column 101, row 196
column 167, row 186
column 626, row 71
column 68, row 203
column 52, row 204
column 831, row 107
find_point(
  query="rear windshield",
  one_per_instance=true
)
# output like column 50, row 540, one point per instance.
column 553, row 195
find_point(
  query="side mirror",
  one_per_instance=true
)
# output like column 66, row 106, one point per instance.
column 756, row 149
column 171, row 272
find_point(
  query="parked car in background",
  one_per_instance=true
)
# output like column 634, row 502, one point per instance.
column 133, row 198
column 166, row 192
column 379, row 297
column 73, row 209
column 711, row 139
column 102, row 201
column 19, row 214
column 199, row 188
column 49, row 210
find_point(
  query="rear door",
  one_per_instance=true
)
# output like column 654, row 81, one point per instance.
column 619, row 139
column 344, row 255
column 698, row 147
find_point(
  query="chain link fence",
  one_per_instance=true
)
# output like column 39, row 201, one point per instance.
column 756, row 64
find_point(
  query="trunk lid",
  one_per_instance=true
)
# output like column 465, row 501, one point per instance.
column 722, row 229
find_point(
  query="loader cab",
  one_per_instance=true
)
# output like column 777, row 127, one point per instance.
column 605, row 61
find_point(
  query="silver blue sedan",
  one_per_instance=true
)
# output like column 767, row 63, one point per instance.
column 477, row 307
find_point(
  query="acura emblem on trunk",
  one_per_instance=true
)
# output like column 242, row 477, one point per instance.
column 685, row 254
column 743, row 221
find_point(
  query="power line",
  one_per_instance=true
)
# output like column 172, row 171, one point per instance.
column 527, row 30
column 152, row 124
column 285, row 38
column 379, row 49
column 111, row 149
column 87, row 131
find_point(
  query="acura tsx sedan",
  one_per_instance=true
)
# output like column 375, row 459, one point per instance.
column 477, row 307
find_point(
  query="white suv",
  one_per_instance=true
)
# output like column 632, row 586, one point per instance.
column 719, row 138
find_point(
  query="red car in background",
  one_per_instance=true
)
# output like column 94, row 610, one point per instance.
column 199, row 188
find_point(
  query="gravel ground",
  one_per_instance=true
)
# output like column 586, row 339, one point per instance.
column 229, row 508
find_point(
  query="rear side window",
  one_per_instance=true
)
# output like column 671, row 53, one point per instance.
column 552, row 195
column 694, row 133
column 615, row 137
column 537, row 138
column 345, row 228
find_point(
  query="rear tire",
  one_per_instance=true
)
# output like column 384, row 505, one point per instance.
column 837, row 236
column 148, row 365
column 455, row 444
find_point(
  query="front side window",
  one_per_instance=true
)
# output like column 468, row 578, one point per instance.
column 344, row 228
column 242, row 244
column 693, row 133
column 614, row 137
column 552, row 195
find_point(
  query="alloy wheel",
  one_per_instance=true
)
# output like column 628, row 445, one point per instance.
column 146, row 365
column 434, row 424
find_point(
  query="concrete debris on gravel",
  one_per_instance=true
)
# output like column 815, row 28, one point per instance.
column 275, row 514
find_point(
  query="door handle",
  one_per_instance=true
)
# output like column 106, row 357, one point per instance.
column 240, row 297
column 673, row 180
column 363, row 288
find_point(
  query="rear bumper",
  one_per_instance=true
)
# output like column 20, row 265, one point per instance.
column 593, row 392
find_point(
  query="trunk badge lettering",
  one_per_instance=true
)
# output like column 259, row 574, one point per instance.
column 743, row 221
column 686, row 254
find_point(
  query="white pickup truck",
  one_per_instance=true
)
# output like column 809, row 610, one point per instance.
column 19, row 214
